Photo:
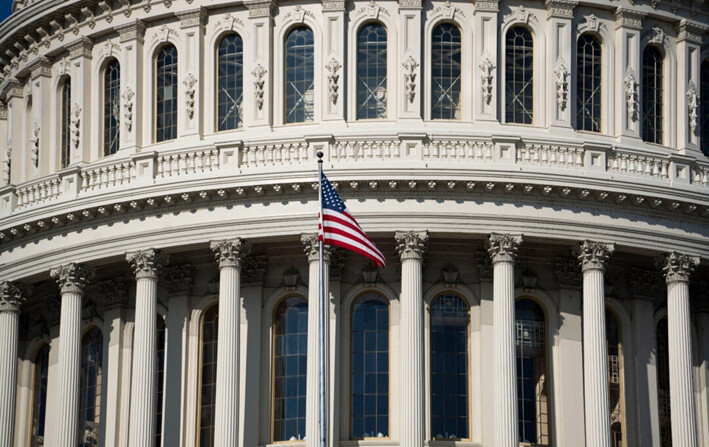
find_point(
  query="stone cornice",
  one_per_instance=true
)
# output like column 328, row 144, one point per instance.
column 131, row 31
column 40, row 66
column 12, row 295
column 230, row 253
column 334, row 5
column 594, row 255
column 192, row 17
column 629, row 18
column 410, row 4
column 80, row 47
column 487, row 6
column 260, row 8
column 691, row 32
column 678, row 267
column 503, row 247
column 72, row 277
column 411, row 244
column 561, row 8
column 147, row 263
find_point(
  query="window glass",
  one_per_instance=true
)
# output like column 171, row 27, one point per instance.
column 519, row 80
column 449, row 368
column 615, row 379
column 372, row 71
column 446, row 72
column 231, row 80
column 166, row 94
column 208, row 376
column 663, row 384
column 39, row 396
column 65, row 137
column 588, row 83
column 300, row 89
column 704, row 107
column 90, row 391
column 159, row 379
column 111, row 107
column 652, row 95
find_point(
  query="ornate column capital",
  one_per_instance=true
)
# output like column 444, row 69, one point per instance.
column 147, row 263
column 568, row 273
column 503, row 247
column 678, row 267
column 72, row 277
column 179, row 279
column 230, row 253
column 411, row 244
column 13, row 295
column 594, row 255
column 312, row 247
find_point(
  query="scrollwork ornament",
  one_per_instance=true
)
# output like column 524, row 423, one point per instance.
column 75, row 125
column 72, row 277
column 410, row 65
column 7, row 163
column 13, row 295
column 411, row 244
column 692, row 107
column 35, row 144
column 230, row 253
column 147, row 263
column 594, row 255
column 128, row 96
column 561, row 79
column 189, row 84
column 631, row 94
column 503, row 247
column 259, row 74
column 487, row 67
column 333, row 79
column 678, row 267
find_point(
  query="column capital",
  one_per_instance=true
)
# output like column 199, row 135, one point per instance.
column 230, row 253
column 677, row 267
column 260, row 8
column 312, row 247
column 503, row 247
column 131, row 31
column 147, row 263
column 411, row 244
column 13, row 295
column 80, row 47
column 594, row 255
column 72, row 277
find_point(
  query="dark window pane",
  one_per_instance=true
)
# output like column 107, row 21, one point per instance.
column 230, row 79
column 372, row 71
column 652, row 95
column 90, row 391
column 446, row 53
column 519, row 88
column 166, row 94
column 588, row 83
column 111, row 107
column 210, row 323
column 300, row 75
column 65, row 143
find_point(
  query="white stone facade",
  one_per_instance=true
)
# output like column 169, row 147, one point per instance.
column 494, row 212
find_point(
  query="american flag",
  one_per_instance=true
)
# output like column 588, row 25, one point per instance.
column 342, row 229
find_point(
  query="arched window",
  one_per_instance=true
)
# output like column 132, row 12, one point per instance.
column 588, row 83
column 370, row 367
column 65, row 123
column 230, row 89
column 704, row 107
column 208, row 385
column 446, row 45
column 111, row 107
column 372, row 71
column 159, row 379
column 449, row 368
column 90, row 394
column 532, row 381
column 663, row 383
column 615, row 378
column 519, row 79
column 290, row 365
column 300, row 75
column 166, row 94
column 39, row 396
column 652, row 95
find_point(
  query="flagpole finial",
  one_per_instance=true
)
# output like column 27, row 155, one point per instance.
column 320, row 155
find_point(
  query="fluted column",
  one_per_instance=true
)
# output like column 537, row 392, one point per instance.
column 12, row 295
column 147, row 265
column 678, row 268
column 593, row 257
column 412, row 246
column 503, row 252
column 72, row 279
column 230, row 255
column 315, row 315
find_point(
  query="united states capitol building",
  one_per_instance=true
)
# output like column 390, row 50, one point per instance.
column 535, row 172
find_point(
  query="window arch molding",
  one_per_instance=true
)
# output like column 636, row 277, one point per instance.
column 608, row 100
column 104, row 54
column 467, row 92
column 381, row 18
column 159, row 39
column 292, row 21
column 668, row 51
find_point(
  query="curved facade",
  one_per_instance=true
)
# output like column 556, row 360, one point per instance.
column 536, row 174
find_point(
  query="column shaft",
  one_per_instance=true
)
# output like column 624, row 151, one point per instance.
column 505, row 370
column 412, row 408
column 68, row 370
column 8, row 375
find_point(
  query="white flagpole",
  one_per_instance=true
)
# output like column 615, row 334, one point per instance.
column 322, row 306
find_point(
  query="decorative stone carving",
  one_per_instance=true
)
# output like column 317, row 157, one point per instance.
column 291, row 279
column 449, row 275
column 115, row 292
column 677, row 267
column 644, row 283
column 164, row 33
column 487, row 67
column 631, row 94
column 337, row 261
column 253, row 269
column 657, row 35
column 62, row 67
column 108, row 47
column 370, row 276
column 591, row 23
column 594, row 255
column 90, row 18
column 7, row 163
column 259, row 74
column 333, row 79
column 484, row 265
column 568, row 273
column 561, row 79
column 13, row 295
column 518, row 15
column 105, row 7
column 410, row 65
column 128, row 96
column 230, row 253
column 34, row 140
column 179, row 279
column 692, row 106
column 75, row 124
column 72, row 277
column 447, row 11
column 503, row 247
column 228, row 21
column 147, row 263
column 189, row 84
column 411, row 244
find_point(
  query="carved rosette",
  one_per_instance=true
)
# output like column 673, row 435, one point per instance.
column 503, row 247
column 72, row 277
column 115, row 292
column 147, row 263
column 230, row 253
column 678, row 267
column 13, row 295
column 312, row 247
column 179, row 279
column 411, row 244
column 594, row 255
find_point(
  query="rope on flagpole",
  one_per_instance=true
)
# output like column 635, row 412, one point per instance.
column 323, row 308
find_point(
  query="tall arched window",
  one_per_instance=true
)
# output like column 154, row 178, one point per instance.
column 704, row 107
column 90, row 393
column 372, row 71
column 449, row 368
column 588, row 83
column 446, row 45
column 166, row 94
column 370, row 367
column 65, row 123
column 519, row 79
column 159, row 379
column 208, row 385
column 300, row 75
column 663, row 383
column 230, row 91
column 111, row 107
column 39, row 396
column 290, row 365
column 652, row 95
column 533, row 404
column 615, row 378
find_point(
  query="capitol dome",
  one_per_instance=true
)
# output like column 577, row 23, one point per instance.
column 536, row 174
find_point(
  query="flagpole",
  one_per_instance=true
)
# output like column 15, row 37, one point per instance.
column 323, row 319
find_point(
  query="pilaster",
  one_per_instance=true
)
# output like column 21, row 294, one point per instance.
column 258, row 71
column 689, row 41
column 560, row 18
column 132, row 129
column 40, row 88
column 486, row 80
column 334, row 57
column 13, row 145
column 628, row 71
column 409, row 64
column 80, row 58
column 192, row 25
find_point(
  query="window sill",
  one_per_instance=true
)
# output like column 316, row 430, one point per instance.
column 364, row 442
column 451, row 443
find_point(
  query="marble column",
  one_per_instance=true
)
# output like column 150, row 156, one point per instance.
column 12, row 296
column 146, row 264
column 678, row 268
column 412, row 246
column 230, row 255
column 72, row 279
column 315, row 315
column 503, row 252
column 593, row 257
